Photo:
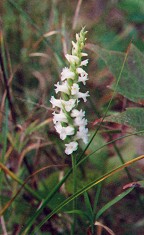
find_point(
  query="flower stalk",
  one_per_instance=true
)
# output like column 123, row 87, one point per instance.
column 69, row 121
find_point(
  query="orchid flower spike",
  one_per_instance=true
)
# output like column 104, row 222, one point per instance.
column 69, row 121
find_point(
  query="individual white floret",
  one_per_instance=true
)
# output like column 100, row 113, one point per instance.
column 59, row 117
column 77, row 37
column 83, row 95
column 64, row 131
column 72, row 59
column 83, row 78
column 84, row 54
column 66, row 73
column 75, row 47
column 82, row 133
column 77, row 113
column 78, row 121
column 81, row 71
column 75, row 89
column 56, row 102
column 71, row 147
column 84, row 62
column 69, row 105
column 62, row 87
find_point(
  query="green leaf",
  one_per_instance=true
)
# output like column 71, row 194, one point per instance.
column 132, row 6
column 112, row 202
column 131, row 81
column 138, row 18
column 133, row 117
column 89, row 210
column 78, row 212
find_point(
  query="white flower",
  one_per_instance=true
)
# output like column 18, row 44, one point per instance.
column 84, row 62
column 56, row 102
column 81, row 72
column 69, row 105
column 70, row 121
column 77, row 37
column 77, row 113
column 59, row 117
column 71, row 147
column 82, row 133
column 83, row 78
column 74, row 89
column 84, row 54
column 72, row 59
column 64, row 131
column 74, row 44
column 83, row 95
column 78, row 121
column 75, row 47
column 62, row 87
column 67, row 73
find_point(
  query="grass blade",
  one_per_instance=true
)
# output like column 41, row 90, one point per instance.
column 80, row 192
column 112, row 202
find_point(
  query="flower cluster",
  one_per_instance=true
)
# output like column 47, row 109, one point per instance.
column 69, row 121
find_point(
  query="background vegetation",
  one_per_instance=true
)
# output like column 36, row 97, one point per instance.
column 35, row 36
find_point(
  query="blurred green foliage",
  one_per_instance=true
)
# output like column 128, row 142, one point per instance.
column 37, row 35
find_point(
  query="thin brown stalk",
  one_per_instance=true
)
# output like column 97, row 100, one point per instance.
column 76, row 15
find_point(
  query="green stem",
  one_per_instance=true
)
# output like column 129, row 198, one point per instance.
column 74, row 168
